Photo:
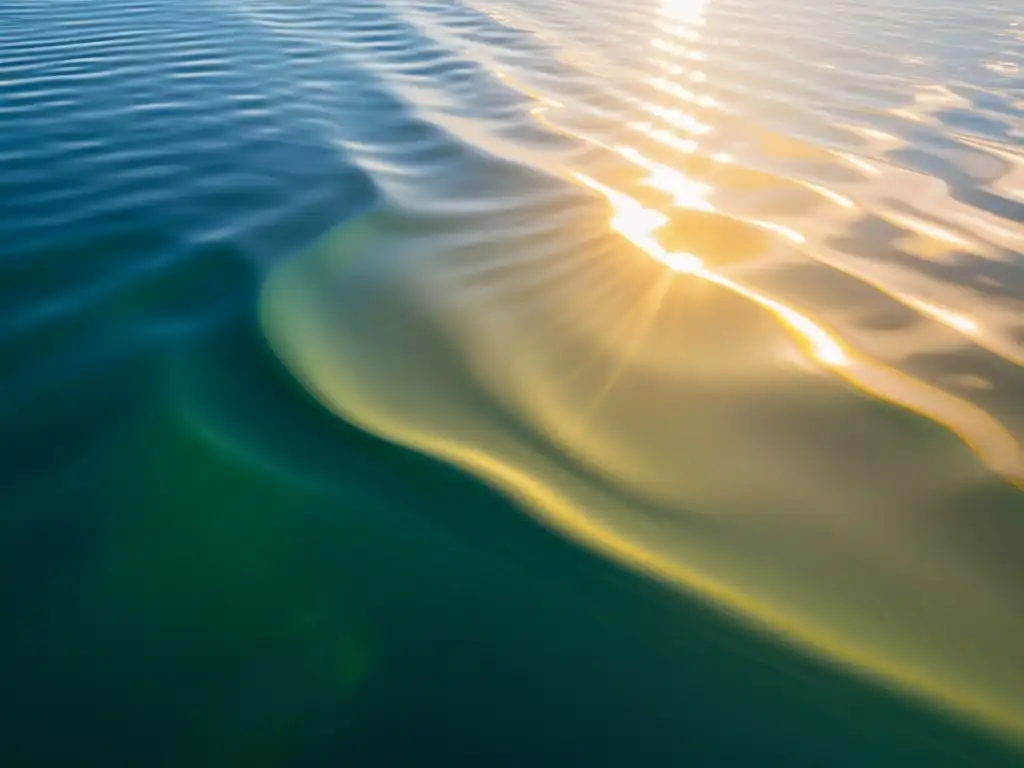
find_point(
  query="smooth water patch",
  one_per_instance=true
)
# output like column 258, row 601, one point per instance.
column 681, row 427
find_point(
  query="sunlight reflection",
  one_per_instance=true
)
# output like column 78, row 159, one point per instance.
column 669, row 139
column 708, row 243
column 685, row 192
column 685, row 12
column 639, row 225
column 708, row 355
column 956, row 321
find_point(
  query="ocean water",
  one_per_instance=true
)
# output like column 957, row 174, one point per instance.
column 506, row 382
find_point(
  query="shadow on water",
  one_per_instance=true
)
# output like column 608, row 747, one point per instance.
column 217, row 571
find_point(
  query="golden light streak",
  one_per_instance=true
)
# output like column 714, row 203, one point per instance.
column 639, row 225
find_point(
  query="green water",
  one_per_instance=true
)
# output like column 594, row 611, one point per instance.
column 285, row 591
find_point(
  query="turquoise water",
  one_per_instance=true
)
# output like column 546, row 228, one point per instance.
column 511, row 383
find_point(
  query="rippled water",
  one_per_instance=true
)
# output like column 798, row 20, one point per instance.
column 727, row 292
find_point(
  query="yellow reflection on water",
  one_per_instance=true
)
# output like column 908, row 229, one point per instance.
column 952, row 319
column 846, row 575
column 663, row 375
column 986, row 436
column 644, row 227
column 685, row 192
column 640, row 226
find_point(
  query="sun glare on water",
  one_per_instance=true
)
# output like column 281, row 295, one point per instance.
column 687, row 383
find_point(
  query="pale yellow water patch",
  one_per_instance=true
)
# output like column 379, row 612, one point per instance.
column 656, row 420
column 619, row 378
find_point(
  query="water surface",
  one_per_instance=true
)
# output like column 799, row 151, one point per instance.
column 409, row 382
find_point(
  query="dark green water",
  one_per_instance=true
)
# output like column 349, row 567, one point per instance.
column 223, row 574
column 200, row 564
